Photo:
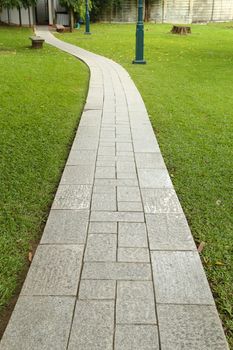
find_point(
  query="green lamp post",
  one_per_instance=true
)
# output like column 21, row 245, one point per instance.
column 87, row 19
column 139, row 59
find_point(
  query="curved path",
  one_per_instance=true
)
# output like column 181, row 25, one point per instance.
column 116, row 267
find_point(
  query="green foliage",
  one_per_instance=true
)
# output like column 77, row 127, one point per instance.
column 77, row 6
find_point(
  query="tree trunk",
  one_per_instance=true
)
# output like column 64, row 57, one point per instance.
column 29, row 17
column 8, row 15
column 71, row 20
column 20, row 17
column 147, row 10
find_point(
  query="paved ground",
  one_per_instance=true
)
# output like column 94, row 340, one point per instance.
column 117, row 267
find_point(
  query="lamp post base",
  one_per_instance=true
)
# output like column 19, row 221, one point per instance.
column 139, row 62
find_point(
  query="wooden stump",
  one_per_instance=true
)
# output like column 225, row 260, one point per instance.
column 181, row 30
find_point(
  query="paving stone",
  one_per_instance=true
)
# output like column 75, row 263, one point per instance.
column 130, row 206
column 101, row 247
column 149, row 161
column 180, row 278
column 87, row 143
column 81, row 157
column 125, row 166
column 125, row 147
column 103, row 227
column 133, row 255
column 126, row 175
column 93, row 326
column 169, row 232
column 81, row 174
column 72, row 197
column 66, row 226
column 135, row 303
column 39, row 323
column 105, row 173
column 55, row 270
column 88, row 131
column 116, row 271
column 136, row 337
column 128, row 194
column 92, row 117
column 103, row 201
column 106, row 151
column 154, row 178
column 186, row 327
column 97, row 289
column 160, row 201
column 114, row 216
column 105, row 189
column 116, row 182
column 130, row 290
column 132, row 235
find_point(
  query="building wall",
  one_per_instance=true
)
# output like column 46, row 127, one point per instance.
column 14, row 16
column 174, row 11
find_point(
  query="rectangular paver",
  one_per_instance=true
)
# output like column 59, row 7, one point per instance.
column 132, row 235
column 80, row 174
column 101, row 247
column 133, row 255
column 93, row 325
column 190, row 327
column 160, row 201
column 97, row 289
column 103, row 227
column 72, row 197
column 39, row 323
column 179, row 278
column 66, row 226
column 117, row 216
column 55, row 270
column 136, row 337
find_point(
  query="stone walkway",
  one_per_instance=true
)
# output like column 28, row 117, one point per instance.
column 116, row 267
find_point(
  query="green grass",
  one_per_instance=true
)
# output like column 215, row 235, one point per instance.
column 187, row 86
column 42, row 93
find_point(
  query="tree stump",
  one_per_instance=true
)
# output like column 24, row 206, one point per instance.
column 181, row 30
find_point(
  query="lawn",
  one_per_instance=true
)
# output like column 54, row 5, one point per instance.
column 42, row 93
column 187, row 86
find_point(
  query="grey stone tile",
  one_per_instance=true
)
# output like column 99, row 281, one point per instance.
column 116, row 271
column 133, row 255
column 105, row 173
column 81, row 175
column 126, row 175
column 154, row 178
column 55, row 270
column 124, row 147
column 88, row 131
column 92, row 326
column 97, row 289
column 135, row 303
column 179, row 278
column 114, row 216
column 66, row 226
column 125, row 166
column 103, row 201
column 186, row 327
column 128, row 194
column 138, row 311
column 160, row 201
column 130, row 206
column 131, row 290
column 72, row 197
column 103, row 227
column 145, row 146
column 149, row 161
column 125, row 154
column 81, row 157
column 87, row 143
column 116, row 182
column 106, row 161
column 132, row 235
column 136, row 337
column 91, row 118
column 39, row 323
column 106, row 151
column 105, row 189
column 101, row 247
column 169, row 232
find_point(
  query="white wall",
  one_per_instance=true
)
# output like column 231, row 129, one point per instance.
column 14, row 16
